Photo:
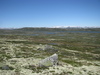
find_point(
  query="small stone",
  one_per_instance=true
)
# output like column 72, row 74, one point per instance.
column 6, row 67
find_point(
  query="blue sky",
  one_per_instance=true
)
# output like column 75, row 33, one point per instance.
column 49, row 13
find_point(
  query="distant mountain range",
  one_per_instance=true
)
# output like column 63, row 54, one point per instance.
column 73, row 27
column 54, row 27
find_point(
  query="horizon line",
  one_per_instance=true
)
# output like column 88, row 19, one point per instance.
column 52, row 27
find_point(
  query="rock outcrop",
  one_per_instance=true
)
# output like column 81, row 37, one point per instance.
column 49, row 61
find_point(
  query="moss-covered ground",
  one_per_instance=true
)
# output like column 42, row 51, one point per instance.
column 22, row 49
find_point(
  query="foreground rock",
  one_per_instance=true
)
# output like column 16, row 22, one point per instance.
column 49, row 61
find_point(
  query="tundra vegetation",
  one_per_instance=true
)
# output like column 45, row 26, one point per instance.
column 78, row 51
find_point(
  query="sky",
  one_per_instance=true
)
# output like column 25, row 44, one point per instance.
column 49, row 13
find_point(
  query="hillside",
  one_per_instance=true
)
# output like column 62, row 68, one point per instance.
column 78, row 51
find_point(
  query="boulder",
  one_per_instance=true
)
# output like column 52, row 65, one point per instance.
column 49, row 61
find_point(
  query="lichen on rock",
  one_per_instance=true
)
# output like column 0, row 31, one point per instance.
column 49, row 61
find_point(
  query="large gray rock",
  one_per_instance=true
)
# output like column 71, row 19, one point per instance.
column 49, row 61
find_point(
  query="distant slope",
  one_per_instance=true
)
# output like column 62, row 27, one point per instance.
column 28, row 30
